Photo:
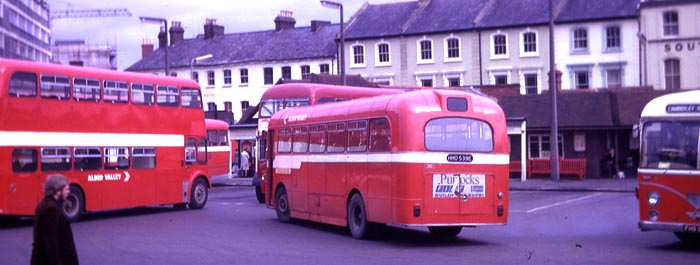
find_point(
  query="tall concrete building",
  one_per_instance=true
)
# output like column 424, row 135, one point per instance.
column 77, row 52
column 25, row 32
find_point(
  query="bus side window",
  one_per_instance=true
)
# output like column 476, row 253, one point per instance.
column 116, row 158
column 380, row 135
column 337, row 138
column 202, row 151
column 223, row 138
column 55, row 159
column 55, row 87
column 190, row 151
column 357, row 136
column 87, row 158
column 300, row 140
column 24, row 160
column 191, row 98
column 144, row 157
column 23, row 84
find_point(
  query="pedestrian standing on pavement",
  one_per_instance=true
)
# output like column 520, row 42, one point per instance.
column 53, row 236
column 244, row 163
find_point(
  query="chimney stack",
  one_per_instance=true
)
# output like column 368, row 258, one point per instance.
column 162, row 39
column 211, row 29
column 177, row 33
column 284, row 20
column 318, row 24
column 146, row 48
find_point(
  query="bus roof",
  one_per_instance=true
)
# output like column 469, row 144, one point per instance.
column 418, row 101
column 215, row 124
column 7, row 66
column 681, row 104
column 317, row 91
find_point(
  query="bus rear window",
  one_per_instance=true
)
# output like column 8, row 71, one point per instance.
column 458, row 135
column 23, row 84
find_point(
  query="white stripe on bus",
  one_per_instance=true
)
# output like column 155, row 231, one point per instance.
column 294, row 161
column 10, row 138
column 218, row 149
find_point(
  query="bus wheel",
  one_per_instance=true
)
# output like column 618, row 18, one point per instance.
column 74, row 205
column 688, row 238
column 444, row 232
column 259, row 194
column 198, row 195
column 357, row 217
column 282, row 205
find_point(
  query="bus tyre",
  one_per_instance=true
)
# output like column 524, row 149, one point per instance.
column 282, row 205
column 357, row 217
column 74, row 205
column 689, row 238
column 444, row 232
column 259, row 194
column 199, row 194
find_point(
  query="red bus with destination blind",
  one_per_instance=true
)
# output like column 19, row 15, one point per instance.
column 285, row 96
column 219, row 148
column 669, row 171
column 123, row 139
column 431, row 158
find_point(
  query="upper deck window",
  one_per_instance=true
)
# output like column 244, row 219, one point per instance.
column 56, row 87
column 143, row 94
column 191, row 98
column 116, row 91
column 23, row 84
column 459, row 135
column 86, row 89
column 168, row 96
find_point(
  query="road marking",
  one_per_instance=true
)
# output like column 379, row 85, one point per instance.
column 564, row 202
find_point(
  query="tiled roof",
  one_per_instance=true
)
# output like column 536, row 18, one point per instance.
column 447, row 15
column 583, row 10
column 260, row 46
column 581, row 109
column 380, row 20
column 508, row 13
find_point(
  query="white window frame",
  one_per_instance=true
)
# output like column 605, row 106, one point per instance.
column 605, row 39
column 492, row 42
column 419, row 53
column 228, row 79
column 498, row 71
column 663, row 24
column 377, row 62
column 523, row 53
column 446, row 49
column 544, row 153
column 425, row 76
column 572, row 43
column 606, row 67
column 353, row 62
column 530, row 71
column 574, row 68
column 451, row 75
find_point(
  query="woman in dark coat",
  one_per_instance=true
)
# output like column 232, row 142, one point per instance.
column 53, row 236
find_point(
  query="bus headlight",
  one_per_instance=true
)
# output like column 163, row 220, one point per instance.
column 653, row 215
column 653, row 198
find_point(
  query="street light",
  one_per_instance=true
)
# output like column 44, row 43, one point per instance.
column 198, row 59
column 156, row 20
column 341, row 61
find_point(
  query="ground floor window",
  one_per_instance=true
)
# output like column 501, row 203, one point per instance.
column 539, row 146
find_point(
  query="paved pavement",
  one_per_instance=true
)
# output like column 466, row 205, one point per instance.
column 600, row 185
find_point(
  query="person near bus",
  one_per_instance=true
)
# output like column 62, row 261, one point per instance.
column 245, row 165
column 53, row 236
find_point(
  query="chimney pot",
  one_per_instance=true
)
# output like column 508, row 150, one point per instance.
column 284, row 20
column 146, row 48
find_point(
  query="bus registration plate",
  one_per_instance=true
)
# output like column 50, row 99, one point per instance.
column 691, row 228
column 451, row 185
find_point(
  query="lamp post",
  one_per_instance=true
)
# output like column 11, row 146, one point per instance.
column 554, row 134
column 341, row 60
column 198, row 59
column 156, row 20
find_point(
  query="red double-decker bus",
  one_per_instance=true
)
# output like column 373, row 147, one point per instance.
column 219, row 148
column 122, row 139
column 669, row 170
column 293, row 95
column 432, row 158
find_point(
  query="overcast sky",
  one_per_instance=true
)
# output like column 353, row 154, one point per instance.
column 127, row 33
